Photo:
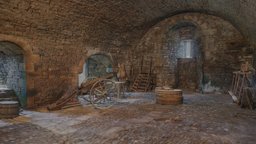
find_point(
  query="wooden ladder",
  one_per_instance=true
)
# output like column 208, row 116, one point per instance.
column 141, row 83
column 243, row 90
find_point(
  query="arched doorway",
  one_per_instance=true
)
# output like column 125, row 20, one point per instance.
column 184, row 39
column 220, row 47
column 12, row 69
column 96, row 65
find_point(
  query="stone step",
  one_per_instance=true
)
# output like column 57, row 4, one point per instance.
column 2, row 81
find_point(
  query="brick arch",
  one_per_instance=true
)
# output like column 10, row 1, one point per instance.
column 154, row 42
column 197, row 35
column 197, row 19
column 91, row 53
column 190, row 17
column 29, row 58
column 81, row 71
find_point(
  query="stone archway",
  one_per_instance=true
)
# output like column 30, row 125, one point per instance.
column 12, row 69
column 184, row 39
column 30, row 59
column 96, row 65
column 221, row 47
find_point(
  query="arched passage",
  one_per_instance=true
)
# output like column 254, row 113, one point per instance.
column 221, row 45
column 96, row 65
column 12, row 69
column 184, row 39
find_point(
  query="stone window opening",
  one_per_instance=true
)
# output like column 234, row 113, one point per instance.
column 96, row 65
column 185, row 49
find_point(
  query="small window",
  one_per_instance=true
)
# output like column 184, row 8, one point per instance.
column 185, row 49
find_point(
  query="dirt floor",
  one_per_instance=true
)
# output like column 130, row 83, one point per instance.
column 202, row 119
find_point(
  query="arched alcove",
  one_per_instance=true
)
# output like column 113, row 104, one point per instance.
column 220, row 46
column 12, row 69
column 184, row 39
column 96, row 65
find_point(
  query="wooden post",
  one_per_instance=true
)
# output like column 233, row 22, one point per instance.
column 141, row 64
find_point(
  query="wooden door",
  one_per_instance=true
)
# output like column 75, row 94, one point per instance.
column 187, row 74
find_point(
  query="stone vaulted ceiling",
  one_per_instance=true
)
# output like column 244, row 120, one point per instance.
column 116, row 22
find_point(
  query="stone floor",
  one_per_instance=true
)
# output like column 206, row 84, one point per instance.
column 202, row 119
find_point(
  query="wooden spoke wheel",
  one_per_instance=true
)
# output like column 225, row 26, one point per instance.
column 102, row 94
column 86, row 85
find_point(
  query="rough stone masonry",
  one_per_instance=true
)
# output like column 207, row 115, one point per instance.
column 57, row 37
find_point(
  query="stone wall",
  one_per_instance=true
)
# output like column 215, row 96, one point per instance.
column 58, row 68
column 54, row 65
column 220, row 44
column 55, row 47
column 57, row 37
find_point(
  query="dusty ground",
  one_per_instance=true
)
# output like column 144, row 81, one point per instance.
column 202, row 119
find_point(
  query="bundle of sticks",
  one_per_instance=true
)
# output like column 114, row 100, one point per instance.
column 72, row 93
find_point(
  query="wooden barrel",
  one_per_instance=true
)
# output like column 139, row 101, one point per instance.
column 8, row 93
column 9, row 109
column 168, row 96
